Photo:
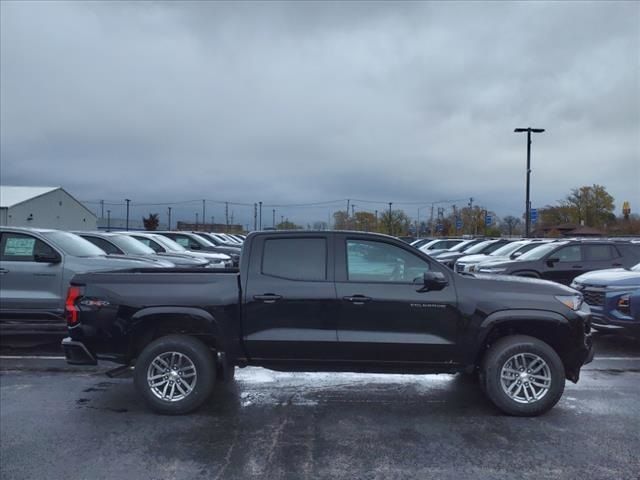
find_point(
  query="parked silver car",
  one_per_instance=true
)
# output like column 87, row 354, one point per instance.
column 36, row 266
column 161, row 244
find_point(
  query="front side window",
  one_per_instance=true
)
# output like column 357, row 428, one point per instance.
column 102, row 244
column 382, row 262
column 295, row 258
column 17, row 247
column 568, row 254
column 149, row 243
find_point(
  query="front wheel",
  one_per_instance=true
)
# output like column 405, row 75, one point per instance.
column 523, row 376
column 175, row 374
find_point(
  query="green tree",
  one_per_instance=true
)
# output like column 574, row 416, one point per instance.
column 592, row 205
column 287, row 225
column 364, row 221
column 151, row 222
column 394, row 222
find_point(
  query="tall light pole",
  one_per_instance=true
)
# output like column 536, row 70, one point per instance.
column 128, row 201
column 528, row 201
column 108, row 220
column 273, row 224
column 390, row 224
column 169, row 208
column 260, row 215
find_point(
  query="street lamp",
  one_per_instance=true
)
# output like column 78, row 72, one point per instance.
column 528, row 202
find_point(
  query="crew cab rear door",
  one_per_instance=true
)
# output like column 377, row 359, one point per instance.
column 289, row 311
column 386, row 316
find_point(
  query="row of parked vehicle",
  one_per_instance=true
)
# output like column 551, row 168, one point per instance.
column 36, row 266
column 605, row 271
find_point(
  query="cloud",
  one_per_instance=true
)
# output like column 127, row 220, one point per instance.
column 314, row 101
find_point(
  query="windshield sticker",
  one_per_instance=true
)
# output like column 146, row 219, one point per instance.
column 19, row 247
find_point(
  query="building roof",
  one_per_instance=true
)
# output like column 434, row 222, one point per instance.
column 10, row 196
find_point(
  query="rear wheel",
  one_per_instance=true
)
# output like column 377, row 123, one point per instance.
column 523, row 376
column 175, row 374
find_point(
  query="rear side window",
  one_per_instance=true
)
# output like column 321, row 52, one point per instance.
column 600, row 252
column 149, row 243
column 295, row 258
column 17, row 247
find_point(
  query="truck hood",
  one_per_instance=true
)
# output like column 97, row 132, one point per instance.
column 477, row 258
column 526, row 282
column 183, row 260
column 110, row 262
column 150, row 259
column 618, row 277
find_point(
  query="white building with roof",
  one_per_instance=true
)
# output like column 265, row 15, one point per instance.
column 43, row 207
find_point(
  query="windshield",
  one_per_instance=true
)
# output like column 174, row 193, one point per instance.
column 73, row 245
column 462, row 246
column 203, row 240
column 477, row 248
column 508, row 249
column 131, row 246
column 539, row 252
column 168, row 243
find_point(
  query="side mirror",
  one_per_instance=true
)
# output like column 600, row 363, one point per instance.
column 516, row 254
column 195, row 246
column 551, row 261
column 433, row 281
column 52, row 257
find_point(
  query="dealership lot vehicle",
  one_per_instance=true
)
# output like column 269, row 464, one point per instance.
column 613, row 296
column 439, row 245
column 198, row 243
column 330, row 301
column 562, row 261
column 508, row 251
column 118, row 244
column 484, row 247
column 164, row 245
column 35, row 268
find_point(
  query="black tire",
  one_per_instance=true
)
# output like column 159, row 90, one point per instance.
column 499, row 355
column 205, row 373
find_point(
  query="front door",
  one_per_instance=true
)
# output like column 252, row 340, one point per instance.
column 290, row 300
column 564, row 264
column 386, row 316
column 27, row 286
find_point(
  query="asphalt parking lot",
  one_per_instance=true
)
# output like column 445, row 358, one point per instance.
column 75, row 423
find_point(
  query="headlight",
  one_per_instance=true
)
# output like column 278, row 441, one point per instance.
column 624, row 304
column 492, row 270
column 574, row 302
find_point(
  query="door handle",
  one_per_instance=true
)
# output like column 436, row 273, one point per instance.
column 3, row 271
column 267, row 298
column 358, row 299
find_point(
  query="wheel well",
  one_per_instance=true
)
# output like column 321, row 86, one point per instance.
column 548, row 332
column 159, row 325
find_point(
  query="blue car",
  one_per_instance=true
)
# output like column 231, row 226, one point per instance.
column 613, row 296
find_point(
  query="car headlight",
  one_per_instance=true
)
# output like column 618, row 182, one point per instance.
column 624, row 304
column 492, row 270
column 574, row 302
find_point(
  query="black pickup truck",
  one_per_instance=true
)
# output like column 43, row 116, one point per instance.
column 330, row 301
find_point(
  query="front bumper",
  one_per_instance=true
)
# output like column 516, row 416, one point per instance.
column 77, row 353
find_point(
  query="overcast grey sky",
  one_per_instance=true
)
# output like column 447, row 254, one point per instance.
column 304, row 102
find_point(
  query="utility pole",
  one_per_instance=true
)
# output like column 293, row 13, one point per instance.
column 101, row 208
column 226, row 215
column 347, row 222
column 204, row 221
column 431, row 221
column 528, row 201
column 455, row 219
column 474, row 225
column 128, row 201
column 196, row 221
column 260, row 214
column 108, row 220
column 169, row 218
column 274, row 218
column 255, row 216
column 390, row 224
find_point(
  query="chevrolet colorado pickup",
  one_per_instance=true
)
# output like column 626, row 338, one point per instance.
column 329, row 301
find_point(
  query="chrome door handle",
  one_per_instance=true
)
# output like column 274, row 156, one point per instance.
column 267, row 298
column 357, row 299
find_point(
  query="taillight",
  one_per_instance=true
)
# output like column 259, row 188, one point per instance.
column 70, row 308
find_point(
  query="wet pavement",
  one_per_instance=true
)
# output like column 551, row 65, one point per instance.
column 75, row 423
